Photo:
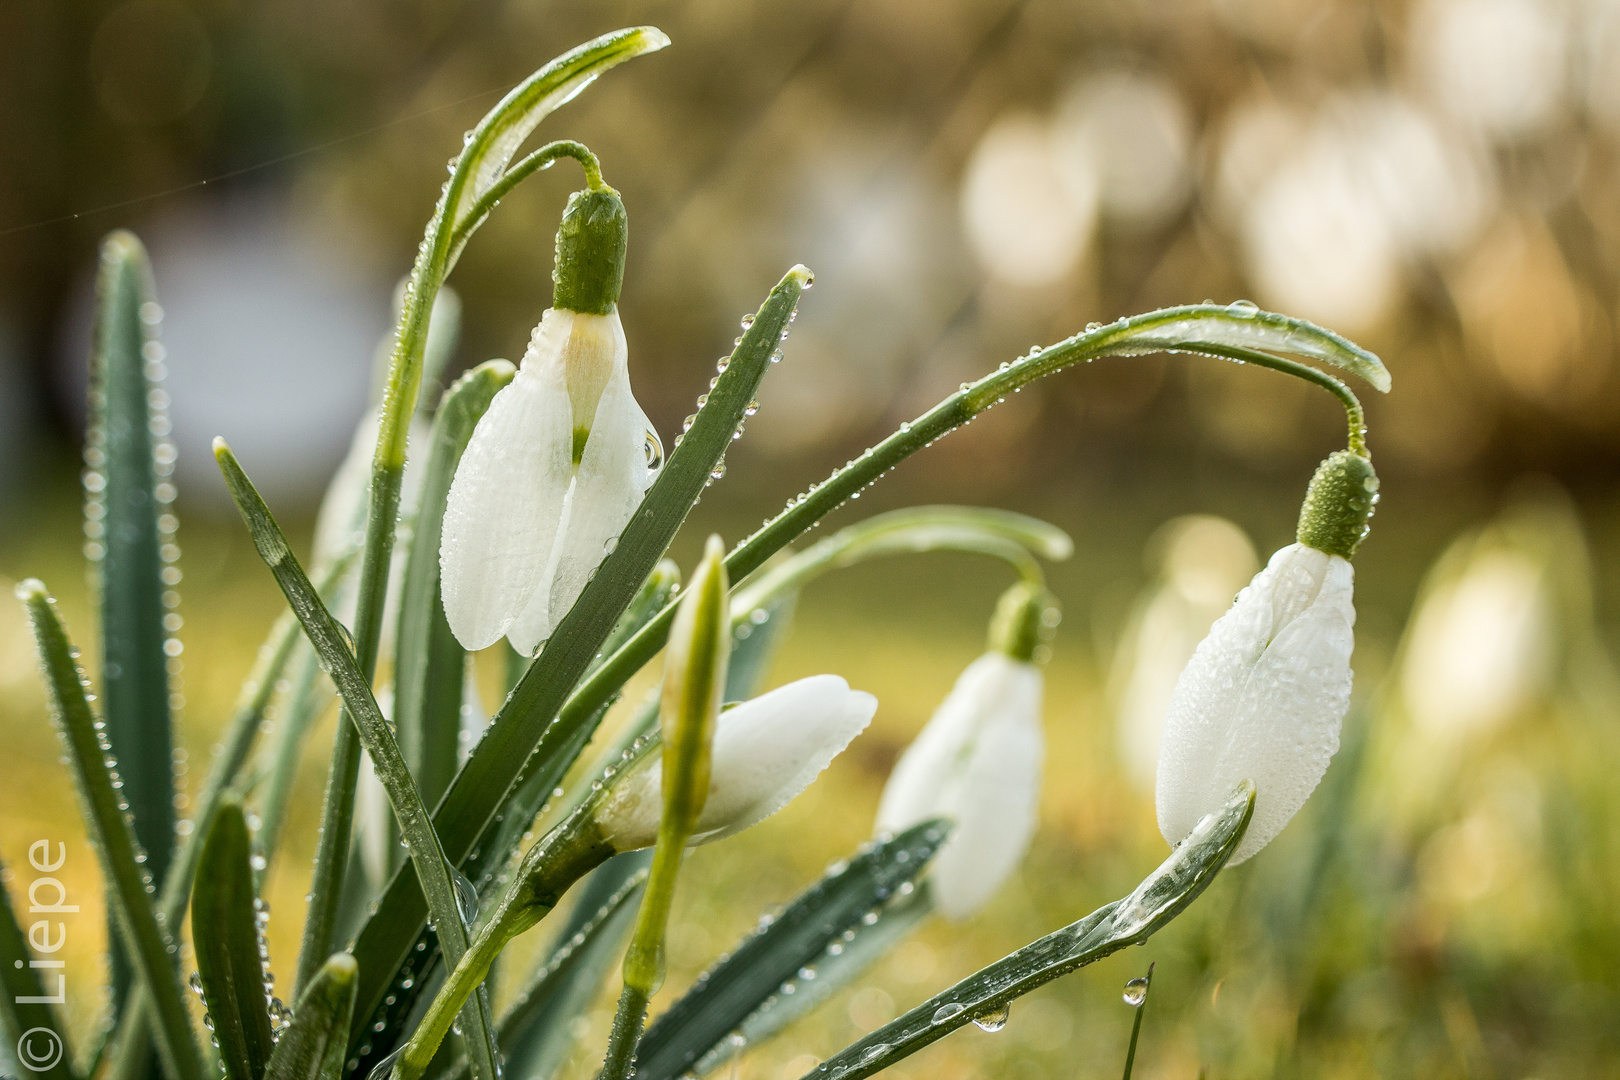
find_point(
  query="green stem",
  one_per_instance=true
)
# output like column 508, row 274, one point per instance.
column 625, row 1036
column 539, row 160
column 1136, row 1025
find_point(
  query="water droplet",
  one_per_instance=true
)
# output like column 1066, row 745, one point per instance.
column 1136, row 990
column 946, row 1011
column 654, row 450
column 1243, row 309
column 747, row 321
column 385, row 1066
column 466, row 896
column 995, row 1019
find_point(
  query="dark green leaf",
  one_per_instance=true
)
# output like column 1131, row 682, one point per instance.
column 32, row 1027
column 122, row 511
column 719, row 1002
column 1162, row 896
column 314, row 1044
column 225, row 929
column 151, row 948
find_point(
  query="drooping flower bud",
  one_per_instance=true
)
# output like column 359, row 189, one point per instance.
column 1265, row 694
column 978, row 761
column 766, row 751
column 559, row 462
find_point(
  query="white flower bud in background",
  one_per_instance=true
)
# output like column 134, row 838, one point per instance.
column 766, row 751
column 1204, row 562
column 1265, row 693
column 558, row 463
column 978, row 762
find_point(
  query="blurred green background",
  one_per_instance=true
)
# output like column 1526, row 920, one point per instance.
column 966, row 177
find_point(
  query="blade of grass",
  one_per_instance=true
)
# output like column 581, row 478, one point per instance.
column 25, row 1007
column 145, row 932
column 225, row 930
column 988, row 993
column 122, row 514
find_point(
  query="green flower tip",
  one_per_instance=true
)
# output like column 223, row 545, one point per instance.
column 1339, row 504
column 31, row 590
column 1023, row 623
column 801, row 273
column 341, row 968
column 591, row 245
column 222, row 449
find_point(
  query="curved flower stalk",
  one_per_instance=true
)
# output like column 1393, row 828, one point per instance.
column 559, row 462
column 978, row 762
column 1265, row 694
column 1204, row 562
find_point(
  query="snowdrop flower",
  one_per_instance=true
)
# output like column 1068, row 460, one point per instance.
column 558, row 464
column 1265, row 693
column 766, row 751
column 979, row 760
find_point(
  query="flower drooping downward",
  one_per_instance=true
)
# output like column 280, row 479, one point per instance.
column 979, row 760
column 1265, row 694
column 558, row 464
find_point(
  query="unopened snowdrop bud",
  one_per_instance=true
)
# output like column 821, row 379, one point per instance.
column 766, row 751
column 979, row 760
column 1265, row 694
column 559, row 462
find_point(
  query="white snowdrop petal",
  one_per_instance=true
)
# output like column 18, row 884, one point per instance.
column 977, row 762
column 766, row 751
column 1262, row 699
column 608, row 487
column 994, row 805
column 500, row 521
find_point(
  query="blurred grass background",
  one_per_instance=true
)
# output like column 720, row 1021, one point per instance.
column 1436, row 179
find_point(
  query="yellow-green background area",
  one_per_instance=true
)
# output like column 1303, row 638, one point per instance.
column 1475, row 939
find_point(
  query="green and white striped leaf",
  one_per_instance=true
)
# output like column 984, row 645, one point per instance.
column 225, row 931
column 149, row 942
column 314, row 1045
column 989, row 993
column 724, row 997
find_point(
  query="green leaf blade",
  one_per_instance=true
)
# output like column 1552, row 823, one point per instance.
column 739, row 986
column 226, row 935
column 151, row 948
column 315, row 1044
column 122, row 511
column 1160, row 897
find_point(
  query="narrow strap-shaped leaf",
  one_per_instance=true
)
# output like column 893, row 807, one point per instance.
column 129, row 887
column 479, row 789
column 719, row 1002
column 223, row 775
column 225, row 930
column 536, row 1032
column 123, row 510
column 314, row 1044
column 429, row 663
column 331, row 643
column 308, row 695
column 1162, row 896
column 28, row 1023
column 841, row 963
